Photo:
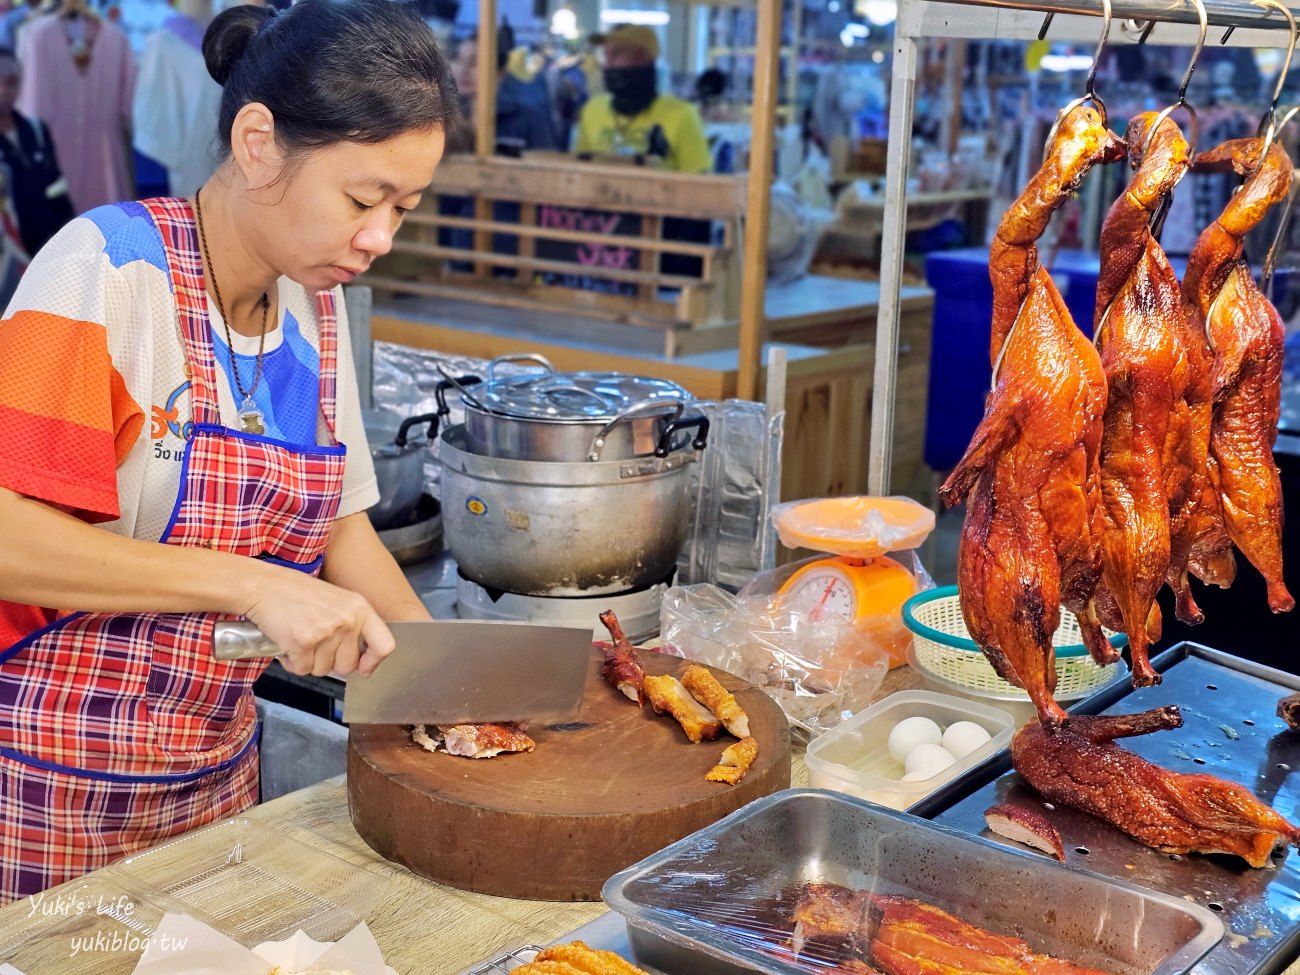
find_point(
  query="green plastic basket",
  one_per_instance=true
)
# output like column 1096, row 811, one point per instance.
column 942, row 649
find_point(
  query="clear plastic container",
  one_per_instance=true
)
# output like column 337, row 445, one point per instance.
column 255, row 883
column 96, row 925
column 854, row 758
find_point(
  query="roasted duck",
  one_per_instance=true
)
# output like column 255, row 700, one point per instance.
column 621, row 667
column 1080, row 766
column 1140, row 333
column 1246, row 336
column 1030, row 475
column 474, row 740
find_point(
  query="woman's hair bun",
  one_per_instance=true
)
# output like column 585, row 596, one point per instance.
column 228, row 37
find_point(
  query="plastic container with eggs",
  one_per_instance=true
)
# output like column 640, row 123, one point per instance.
column 905, row 746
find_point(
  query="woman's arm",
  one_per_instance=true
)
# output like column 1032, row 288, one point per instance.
column 53, row 559
column 356, row 559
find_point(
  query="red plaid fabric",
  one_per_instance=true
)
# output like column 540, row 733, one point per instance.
column 119, row 731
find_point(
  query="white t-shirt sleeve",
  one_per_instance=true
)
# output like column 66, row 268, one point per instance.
column 360, row 488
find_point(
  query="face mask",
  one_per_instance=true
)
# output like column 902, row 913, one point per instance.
column 631, row 89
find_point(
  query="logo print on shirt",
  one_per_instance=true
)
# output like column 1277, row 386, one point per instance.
column 167, row 419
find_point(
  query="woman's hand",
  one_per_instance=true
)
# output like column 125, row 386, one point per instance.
column 320, row 628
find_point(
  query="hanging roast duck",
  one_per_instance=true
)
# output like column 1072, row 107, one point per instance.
column 1030, row 475
column 1244, row 493
column 1141, row 336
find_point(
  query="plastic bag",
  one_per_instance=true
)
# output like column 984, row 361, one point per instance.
column 885, row 629
column 819, row 671
column 794, row 230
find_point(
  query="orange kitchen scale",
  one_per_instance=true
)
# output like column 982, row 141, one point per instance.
column 858, row 581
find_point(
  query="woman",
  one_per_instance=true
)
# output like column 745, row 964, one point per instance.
column 125, row 421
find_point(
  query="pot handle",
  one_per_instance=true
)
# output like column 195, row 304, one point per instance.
column 532, row 357
column 633, row 411
column 459, row 383
column 430, row 418
column 699, row 423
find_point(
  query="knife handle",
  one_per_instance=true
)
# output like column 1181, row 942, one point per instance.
column 240, row 640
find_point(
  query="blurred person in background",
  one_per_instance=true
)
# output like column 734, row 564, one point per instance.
column 37, row 192
column 633, row 118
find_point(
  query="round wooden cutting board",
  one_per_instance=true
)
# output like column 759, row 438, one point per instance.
column 595, row 796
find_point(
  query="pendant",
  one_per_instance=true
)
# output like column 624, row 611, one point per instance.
column 250, row 417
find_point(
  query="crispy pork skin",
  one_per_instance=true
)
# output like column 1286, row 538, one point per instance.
column 666, row 693
column 914, row 938
column 704, row 687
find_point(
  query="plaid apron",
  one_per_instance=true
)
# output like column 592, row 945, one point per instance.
column 118, row 731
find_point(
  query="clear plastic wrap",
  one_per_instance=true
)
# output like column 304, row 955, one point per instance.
column 819, row 672
column 723, row 900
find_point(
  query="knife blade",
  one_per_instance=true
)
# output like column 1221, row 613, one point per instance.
column 453, row 671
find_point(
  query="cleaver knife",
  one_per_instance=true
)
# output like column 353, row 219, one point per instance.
column 453, row 671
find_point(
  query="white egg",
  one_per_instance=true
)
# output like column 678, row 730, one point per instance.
column 909, row 733
column 963, row 737
column 928, row 758
column 916, row 777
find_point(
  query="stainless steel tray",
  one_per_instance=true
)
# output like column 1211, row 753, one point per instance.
column 714, row 902
column 1230, row 730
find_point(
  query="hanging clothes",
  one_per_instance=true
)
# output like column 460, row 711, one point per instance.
column 176, row 105
column 79, row 77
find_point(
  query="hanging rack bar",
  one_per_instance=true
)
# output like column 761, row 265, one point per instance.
column 1222, row 13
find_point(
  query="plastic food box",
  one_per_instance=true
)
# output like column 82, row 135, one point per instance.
column 719, row 902
column 92, row 926
column 255, row 883
column 854, row 758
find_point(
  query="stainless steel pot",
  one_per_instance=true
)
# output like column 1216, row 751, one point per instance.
column 563, row 529
column 399, row 462
column 565, row 417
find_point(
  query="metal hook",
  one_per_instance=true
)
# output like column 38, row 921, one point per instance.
column 1268, row 124
column 1146, row 31
column 1290, row 50
column 1090, row 91
column 1182, row 102
column 1270, row 259
column 1047, row 22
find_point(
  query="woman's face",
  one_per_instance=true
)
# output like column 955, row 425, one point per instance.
column 340, row 207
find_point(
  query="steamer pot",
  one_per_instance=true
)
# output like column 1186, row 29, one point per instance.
column 549, row 528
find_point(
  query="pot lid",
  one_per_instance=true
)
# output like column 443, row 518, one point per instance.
column 576, row 397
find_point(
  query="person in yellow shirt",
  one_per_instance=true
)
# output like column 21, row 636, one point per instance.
column 633, row 118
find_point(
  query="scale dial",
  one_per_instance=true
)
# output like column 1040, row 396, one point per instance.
column 822, row 590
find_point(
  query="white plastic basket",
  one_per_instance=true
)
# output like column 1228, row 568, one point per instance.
column 942, row 649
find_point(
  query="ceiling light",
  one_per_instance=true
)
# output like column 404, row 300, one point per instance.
column 642, row 18
column 882, row 13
